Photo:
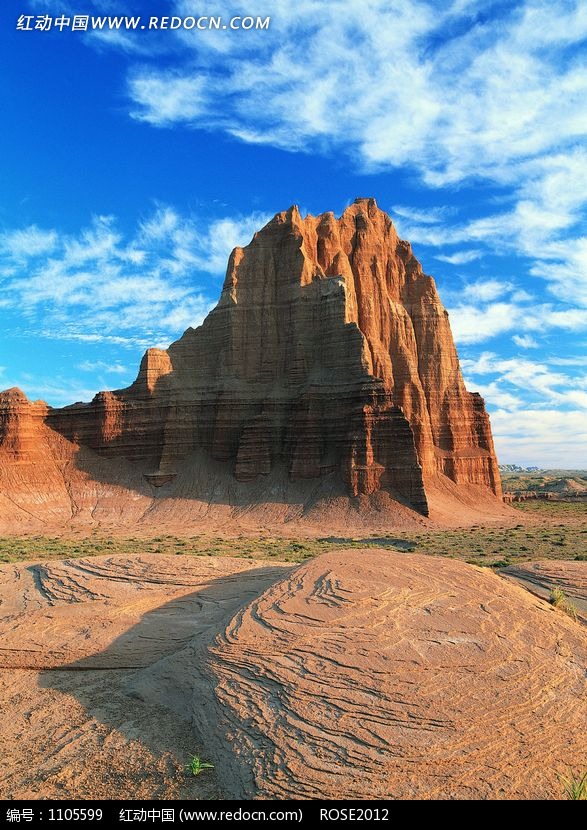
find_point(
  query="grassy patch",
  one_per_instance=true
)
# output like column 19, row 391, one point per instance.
column 562, row 535
column 558, row 599
column 36, row 548
column 575, row 786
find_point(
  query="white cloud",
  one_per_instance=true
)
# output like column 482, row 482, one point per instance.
column 479, row 323
column 166, row 99
column 191, row 245
column 102, row 286
column 537, row 317
column 552, row 196
column 102, row 366
column 224, row 235
column 486, row 290
column 427, row 216
column 26, row 243
column 563, row 265
column 496, row 395
column 525, row 341
column 128, row 342
column 460, row 257
column 541, row 415
column 59, row 390
column 456, row 94
column 521, row 296
column 545, row 437
column 568, row 361
column 471, row 324
column 530, row 377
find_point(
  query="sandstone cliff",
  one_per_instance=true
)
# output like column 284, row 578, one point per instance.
column 328, row 357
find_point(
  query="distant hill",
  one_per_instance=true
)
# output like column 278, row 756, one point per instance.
column 535, row 483
column 514, row 468
column 569, row 486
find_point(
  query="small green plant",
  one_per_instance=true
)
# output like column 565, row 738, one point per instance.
column 558, row 599
column 196, row 765
column 575, row 786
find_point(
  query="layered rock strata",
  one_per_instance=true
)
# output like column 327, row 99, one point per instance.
column 328, row 354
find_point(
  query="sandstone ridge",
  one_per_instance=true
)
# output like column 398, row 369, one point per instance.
column 328, row 359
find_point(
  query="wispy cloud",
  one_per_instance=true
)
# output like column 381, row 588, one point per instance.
column 22, row 243
column 427, row 216
column 538, row 416
column 460, row 257
column 70, row 333
column 472, row 324
column 460, row 94
column 568, row 361
column 530, row 377
column 195, row 245
column 487, row 290
column 101, row 285
column 58, row 390
column 525, row 341
column 165, row 99
column 478, row 323
column 542, row 227
column 102, row 366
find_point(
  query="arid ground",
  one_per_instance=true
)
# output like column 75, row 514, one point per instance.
column 110, row 647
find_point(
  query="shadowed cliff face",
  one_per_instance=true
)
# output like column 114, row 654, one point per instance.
column 329, row 353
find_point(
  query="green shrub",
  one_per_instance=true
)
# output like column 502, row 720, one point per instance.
column 575, row 786
column 196, row 765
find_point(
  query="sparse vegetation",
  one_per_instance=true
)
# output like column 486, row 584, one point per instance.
column 196, row 765
column 575, row 786
column 559, row 600
column 562, row 535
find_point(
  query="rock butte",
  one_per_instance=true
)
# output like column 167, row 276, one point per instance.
column 327, row 370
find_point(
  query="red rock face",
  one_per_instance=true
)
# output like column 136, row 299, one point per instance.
column 20, row 422
column 329, row 353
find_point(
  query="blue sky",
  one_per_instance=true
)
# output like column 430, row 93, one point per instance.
column 132, row 162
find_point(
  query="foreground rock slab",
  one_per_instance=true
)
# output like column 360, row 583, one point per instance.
column 389, row 675
column 73, row 635
column 359, row 674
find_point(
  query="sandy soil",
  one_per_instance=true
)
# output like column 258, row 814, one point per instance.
column 73, row 636
column 360, row 673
